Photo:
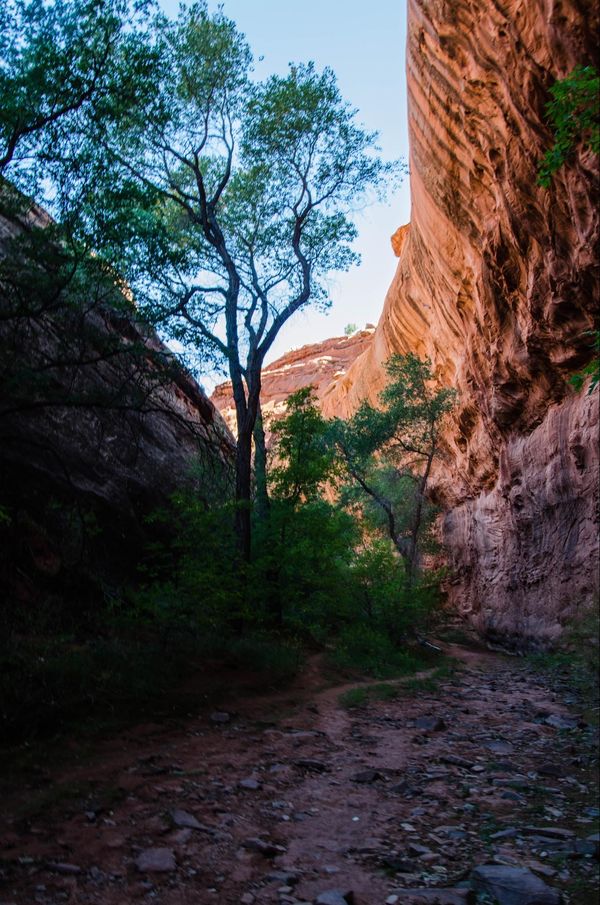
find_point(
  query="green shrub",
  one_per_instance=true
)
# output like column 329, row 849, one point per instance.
column 370, row 651
column 574, row 114
column 354, row 698
column 278, row 659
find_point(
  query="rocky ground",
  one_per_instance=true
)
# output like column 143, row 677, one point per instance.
column 477, row 788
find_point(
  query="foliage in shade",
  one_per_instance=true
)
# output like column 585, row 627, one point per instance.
column 591, row 371
column 574, row 115
column 388, row 451
column 64, row 66
column 189, row 195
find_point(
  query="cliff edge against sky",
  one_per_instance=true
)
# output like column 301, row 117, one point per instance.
column 497, row 283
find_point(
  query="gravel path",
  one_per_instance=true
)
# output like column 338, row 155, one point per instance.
column 292, row 798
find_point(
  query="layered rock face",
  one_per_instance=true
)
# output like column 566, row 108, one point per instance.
column 98, row 426
column 497, row 283
column 324, row 366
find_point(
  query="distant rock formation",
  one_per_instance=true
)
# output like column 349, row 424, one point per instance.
column 324, row 366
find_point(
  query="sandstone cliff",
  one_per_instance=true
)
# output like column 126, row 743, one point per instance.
column 324, row 366
column 98, row 426
column 497, row 283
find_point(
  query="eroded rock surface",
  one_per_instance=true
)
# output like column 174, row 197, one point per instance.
column 497, row 283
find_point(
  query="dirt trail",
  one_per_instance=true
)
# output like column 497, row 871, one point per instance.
column 293, row 796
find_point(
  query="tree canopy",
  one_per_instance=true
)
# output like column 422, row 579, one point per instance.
column 224, row 202
column 63, row 65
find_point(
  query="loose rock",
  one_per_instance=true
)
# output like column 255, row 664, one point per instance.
column 366, row 776
column 183, row 820
column 335, row 897
column 430, row 724
column 220, row 716
column 513, row 885
column 156, row 860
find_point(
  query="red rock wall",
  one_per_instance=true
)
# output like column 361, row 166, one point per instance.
column 497, row 282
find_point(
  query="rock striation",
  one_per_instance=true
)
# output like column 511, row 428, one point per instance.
column 497, row 282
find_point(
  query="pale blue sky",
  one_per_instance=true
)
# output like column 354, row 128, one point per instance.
column 364, row 44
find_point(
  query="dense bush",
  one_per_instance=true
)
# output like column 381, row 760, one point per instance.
column 324, row 573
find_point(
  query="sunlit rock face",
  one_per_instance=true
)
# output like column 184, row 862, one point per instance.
column 324, row 366
column 497, row 283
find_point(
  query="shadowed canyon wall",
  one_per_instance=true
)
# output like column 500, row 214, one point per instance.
column 497, row 282
column 107, row 428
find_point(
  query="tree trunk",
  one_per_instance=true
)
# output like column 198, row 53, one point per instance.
column 243, row 487
column 260, row 468
column 413, row 555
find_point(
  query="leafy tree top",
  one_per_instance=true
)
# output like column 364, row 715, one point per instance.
column 408, row 421
column 63, row 64
column 227, row 201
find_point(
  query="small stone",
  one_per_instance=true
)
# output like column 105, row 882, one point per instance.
column 250, row 784
column 62, row 867
column 283, row 876
column 156, row 860
column 456, row 761
column 453, row 832
column 247, row 899
column 513, row 885
column 335, row 897
column 554, row 770
column 184, row 819
column 551, row 832
column 366, row 776
column 430, row 724
column 499, row 747
column 505, row 834
column 414, row 848
column 266, row 849
column 312, row 765
column 558, row 721
column 220, row 716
